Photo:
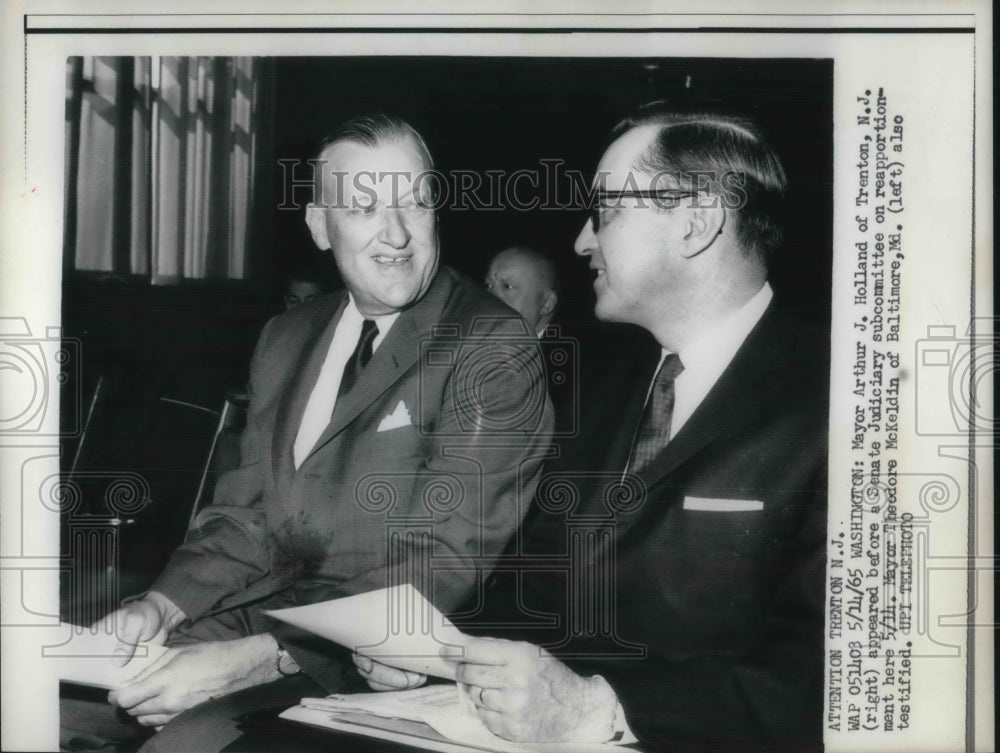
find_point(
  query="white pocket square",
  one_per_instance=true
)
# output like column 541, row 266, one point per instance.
column 708, row 504
column 396, row 419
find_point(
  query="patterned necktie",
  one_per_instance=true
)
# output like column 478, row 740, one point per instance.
column 359, row 358
column 654, row 426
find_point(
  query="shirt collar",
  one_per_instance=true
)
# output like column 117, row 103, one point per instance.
column 354, row 318
column 713, row 349
column 705, row 360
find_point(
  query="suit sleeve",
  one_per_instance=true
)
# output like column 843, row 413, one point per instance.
column 225, row 551
column 493, row 436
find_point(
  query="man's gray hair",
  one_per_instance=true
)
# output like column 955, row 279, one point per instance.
column 370, row 130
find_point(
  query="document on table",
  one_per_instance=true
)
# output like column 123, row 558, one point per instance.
column 88, row 658
column 442, row 708
column 396, row 626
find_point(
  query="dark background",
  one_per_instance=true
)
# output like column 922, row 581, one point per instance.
column 509, row 114
column 155, row 348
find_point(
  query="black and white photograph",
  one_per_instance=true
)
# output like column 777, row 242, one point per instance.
column 400, row 381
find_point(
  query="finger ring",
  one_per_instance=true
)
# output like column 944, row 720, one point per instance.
column 482, row 692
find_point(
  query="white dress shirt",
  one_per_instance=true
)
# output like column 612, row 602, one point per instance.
column 709, row 354
column 323, row 398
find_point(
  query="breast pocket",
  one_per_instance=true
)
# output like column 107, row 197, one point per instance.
column 722, row 533
column 397, row 449
column 726, row 553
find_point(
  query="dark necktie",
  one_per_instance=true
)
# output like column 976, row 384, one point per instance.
column 359, row 358
column 654, row 426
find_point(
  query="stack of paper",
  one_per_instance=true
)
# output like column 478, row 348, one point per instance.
column 436, row 717
column 440, row 707
column 399, row 627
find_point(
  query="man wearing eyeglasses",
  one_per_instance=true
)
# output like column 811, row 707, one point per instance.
column 710, row 635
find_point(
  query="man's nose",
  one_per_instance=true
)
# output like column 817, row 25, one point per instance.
column 586, row 241
column 395, row 233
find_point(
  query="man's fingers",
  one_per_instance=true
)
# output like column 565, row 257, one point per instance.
column 380, row 687
column 145, row 685
column 483, row 675
column 383, row 677
column 130, row 696
column 484, row 651
column 499, row 700
column 155, row 706
column 133, row 626
column 163, row 661
column 414, row 679
column 397, row 679
column 155, row 720
column 123, row 653
column 129, row 628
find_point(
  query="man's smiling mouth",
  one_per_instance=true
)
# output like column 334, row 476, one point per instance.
column 392, row 261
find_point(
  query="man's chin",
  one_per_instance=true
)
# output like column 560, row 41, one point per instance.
column 396, row 300
column 605, row 311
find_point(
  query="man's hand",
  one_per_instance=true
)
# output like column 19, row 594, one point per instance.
column 521, row 692
column 186, row 676
column 383, row 677
column 149, row 620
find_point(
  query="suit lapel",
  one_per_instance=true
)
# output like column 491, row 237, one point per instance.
column 393, row 358
column 610, row 450
column 395, row 355
column 292, row 404
column 727, row 404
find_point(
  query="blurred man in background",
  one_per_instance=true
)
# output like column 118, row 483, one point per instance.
column 526, row 280
column 308, row 279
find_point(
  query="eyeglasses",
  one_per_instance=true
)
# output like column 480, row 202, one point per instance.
column 664, row 198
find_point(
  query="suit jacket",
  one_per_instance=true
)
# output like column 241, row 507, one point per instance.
column 428, row 456
column 707, row 621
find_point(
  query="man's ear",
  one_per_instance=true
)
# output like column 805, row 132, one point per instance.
column 549, row 302
column 704, row 225
column 316, row 222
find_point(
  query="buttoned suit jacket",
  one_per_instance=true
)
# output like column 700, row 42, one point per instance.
column 433, row 454
column 707, row 621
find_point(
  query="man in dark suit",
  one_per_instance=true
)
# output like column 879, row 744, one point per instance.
column 692, row 508
column 389, row 425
